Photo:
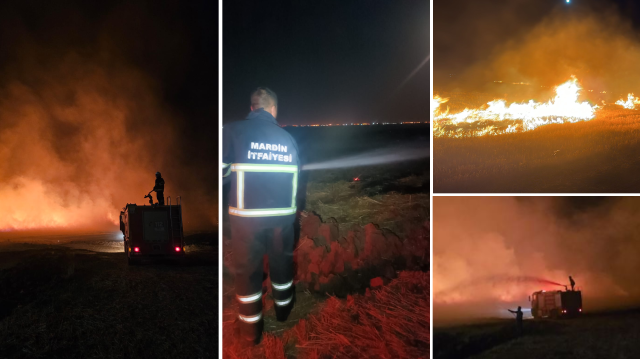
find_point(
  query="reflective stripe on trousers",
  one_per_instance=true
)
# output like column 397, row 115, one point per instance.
column 282, row 303
column 250, row 319
column 251, row 239
column 244, row 299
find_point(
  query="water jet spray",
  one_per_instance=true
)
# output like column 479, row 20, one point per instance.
column 377, row 157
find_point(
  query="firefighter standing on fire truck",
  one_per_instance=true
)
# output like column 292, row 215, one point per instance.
column 159, row 188
column 261, row 161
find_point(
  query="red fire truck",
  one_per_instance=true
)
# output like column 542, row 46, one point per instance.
column 556, row 304
column 152, row 231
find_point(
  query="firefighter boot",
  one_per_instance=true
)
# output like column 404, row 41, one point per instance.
column 282, row 312
column 251, row 333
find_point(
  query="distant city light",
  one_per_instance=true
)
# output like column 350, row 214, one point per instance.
column 360, row 124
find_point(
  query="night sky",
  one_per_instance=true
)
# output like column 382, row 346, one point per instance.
column 328, row 61
column 468, row 31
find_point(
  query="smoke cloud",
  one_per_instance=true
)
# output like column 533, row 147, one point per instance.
column 491, row 253
column 594, row 42
column 83, row 129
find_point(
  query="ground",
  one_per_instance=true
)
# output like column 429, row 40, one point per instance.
column 594, row 335
column 71, row 296
column 597, row 156
column 337, row 311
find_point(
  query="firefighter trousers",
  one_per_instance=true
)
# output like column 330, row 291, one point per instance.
column 160, row 198
column 251, row 239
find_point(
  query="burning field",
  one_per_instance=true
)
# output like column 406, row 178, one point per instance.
column 76, row 145
column 86, row 120
column 492, row 253
column 499, row 149
column 551, row 108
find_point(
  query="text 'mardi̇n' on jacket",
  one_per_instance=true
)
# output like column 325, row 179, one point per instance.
column 261, row 160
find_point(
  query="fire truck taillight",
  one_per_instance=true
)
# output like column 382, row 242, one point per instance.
column 580, row 310
column 136, row 249
column 177, row 249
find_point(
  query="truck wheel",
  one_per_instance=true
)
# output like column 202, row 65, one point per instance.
column 132, row 261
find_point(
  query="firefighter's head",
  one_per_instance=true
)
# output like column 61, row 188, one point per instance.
column 264, row 98
column 158, row 175
column 519, row 309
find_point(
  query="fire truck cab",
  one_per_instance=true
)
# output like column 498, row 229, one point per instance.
column 556, row 304
column 152, row 231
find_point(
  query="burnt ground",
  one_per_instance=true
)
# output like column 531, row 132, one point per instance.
column 595, row 335
column 597, row 156
column 66, row 301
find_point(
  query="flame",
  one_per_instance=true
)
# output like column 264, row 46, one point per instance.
column 435, row 104
column 563, row 108
column 30, row 204
column 437, row 113
column 630, row 103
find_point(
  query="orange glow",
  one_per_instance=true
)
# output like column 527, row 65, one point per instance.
column 78, row 145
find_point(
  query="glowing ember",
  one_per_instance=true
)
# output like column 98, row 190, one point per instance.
column 630, row 103
column 563, row 108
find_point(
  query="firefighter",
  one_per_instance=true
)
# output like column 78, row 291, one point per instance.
column 573, row 284
column 518, row 314
column 159, row 189
column 260, row 159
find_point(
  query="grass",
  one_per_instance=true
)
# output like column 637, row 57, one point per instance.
column 595, row 335
column 392, row 197
column 59, row 302
column 597, row 156
column 392, row 322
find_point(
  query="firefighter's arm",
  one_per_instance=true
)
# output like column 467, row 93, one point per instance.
column 227, row 152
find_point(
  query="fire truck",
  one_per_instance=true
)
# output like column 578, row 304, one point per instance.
column 556, row 304
column 152, row 231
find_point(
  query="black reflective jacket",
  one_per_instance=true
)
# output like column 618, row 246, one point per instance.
column 159, row 187
column 261, row 160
